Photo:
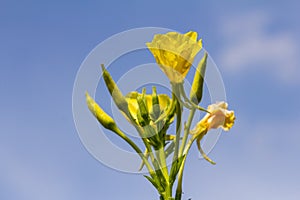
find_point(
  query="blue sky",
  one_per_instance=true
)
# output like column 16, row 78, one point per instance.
column 255, row 45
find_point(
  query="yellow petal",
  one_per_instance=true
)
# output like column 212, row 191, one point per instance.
column 175, row 53
column 193, row 35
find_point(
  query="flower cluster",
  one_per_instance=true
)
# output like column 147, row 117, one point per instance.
column 152, row 114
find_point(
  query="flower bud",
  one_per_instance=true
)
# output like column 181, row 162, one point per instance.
column 115, row 92
column 197, row 86
column 105, row 120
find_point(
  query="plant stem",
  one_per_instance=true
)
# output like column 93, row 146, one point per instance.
column 180, row 173
column 183, row 143
column 178, row 121
column 148, row 147
column 186, row 131
column 178, row 127
column 162, row 161
column 136, row 148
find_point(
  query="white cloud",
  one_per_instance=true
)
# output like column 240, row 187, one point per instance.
column 250, row 45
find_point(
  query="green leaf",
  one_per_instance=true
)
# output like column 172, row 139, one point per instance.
column 146, row 154
column 154, row 183
column 175, row 169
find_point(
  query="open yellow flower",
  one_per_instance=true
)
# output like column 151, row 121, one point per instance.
column 219, row 117
column 175, row 53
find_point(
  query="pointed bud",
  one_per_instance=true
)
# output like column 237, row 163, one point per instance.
column 115, row 92
column 105, row 120
column 197, row 86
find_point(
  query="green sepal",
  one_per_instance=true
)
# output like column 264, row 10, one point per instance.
column 140, row 119
column 144, row 98
column 152, row 137
column 168, row 115
column 166, row 122
column 155, row 104
column 143, row 109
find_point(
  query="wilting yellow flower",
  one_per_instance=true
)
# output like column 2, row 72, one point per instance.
column 175, row 53
column 219, row 117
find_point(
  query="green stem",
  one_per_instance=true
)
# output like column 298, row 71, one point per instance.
column 148, row 147
column 180, row 173
column 136, row 148
column 186, row 131
column 184, row 139
column 187, row 100
column 178, row 121
column 162, row 161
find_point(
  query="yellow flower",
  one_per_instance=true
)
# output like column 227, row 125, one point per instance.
column 175, row 53
column 133, row 106
column 219, row 117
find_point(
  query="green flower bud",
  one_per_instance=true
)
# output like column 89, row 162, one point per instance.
column 105, row 120
column 197, row 86
column 115, row 92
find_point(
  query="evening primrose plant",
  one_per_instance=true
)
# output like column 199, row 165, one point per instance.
column 152, row 114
